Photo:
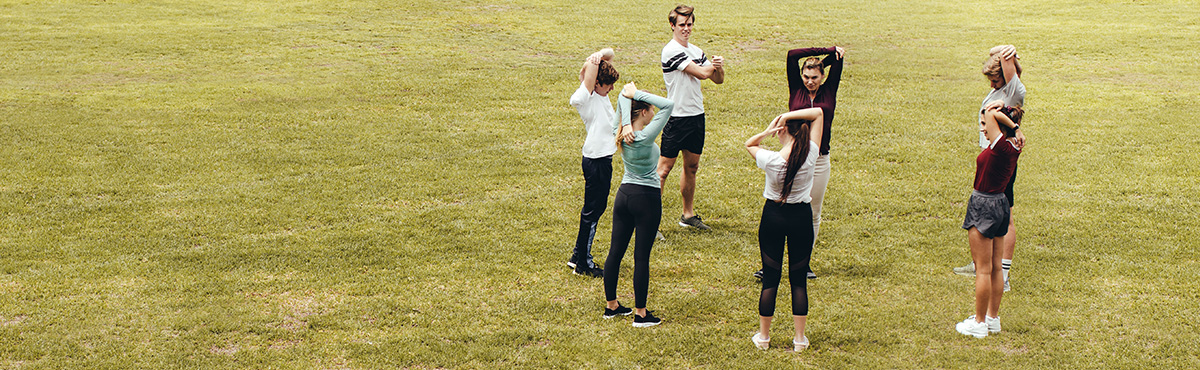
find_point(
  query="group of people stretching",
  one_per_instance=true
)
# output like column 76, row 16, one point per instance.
column 795, row 176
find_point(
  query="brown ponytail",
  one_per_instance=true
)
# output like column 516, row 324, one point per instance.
column 798, row 129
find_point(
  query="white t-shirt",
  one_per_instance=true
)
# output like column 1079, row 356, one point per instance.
column 683, row 88
column 597, row 113
column 775, row 166
column 1012, row 93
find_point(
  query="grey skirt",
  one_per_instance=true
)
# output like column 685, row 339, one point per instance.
column 989, row 213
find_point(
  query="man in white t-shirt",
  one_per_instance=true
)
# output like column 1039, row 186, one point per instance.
column 596, row 79
column 683, row 66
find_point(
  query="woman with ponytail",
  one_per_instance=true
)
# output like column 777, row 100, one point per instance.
column 786, row 213
column 638, row 204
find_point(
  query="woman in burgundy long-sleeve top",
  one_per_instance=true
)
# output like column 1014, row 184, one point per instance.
column 806, row 90
column 810, row 92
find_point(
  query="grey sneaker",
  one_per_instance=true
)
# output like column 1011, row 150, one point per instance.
column 968, row 270
column 693, row 221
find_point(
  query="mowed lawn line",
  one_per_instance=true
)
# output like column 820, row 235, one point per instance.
column 432, row 235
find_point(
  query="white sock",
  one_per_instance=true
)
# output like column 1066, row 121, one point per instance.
column 1005, row 264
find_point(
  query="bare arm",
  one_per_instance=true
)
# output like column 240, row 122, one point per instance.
column 591, row 67
column 1008, row 60
column 718, row 77
column 991, row 123
column 700, row 72
column 816, row 115
column 714, row 71
column 754, row 143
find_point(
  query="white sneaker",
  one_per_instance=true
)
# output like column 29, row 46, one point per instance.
column 659, row 235
column 993, row 323
column 801, row 345
column 972, row 328
column 968, row 270
column 1006, row 287
column 760, row 342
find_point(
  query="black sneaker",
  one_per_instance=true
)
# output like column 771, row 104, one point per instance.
column 693, row 221
column 595, row 272
column 647, row 321
column 812, row 275
column 758, row 274
column 621, row 311
column 571, row 262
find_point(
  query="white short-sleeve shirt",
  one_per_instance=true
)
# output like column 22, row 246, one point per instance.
column 597, row 114
column 775, row 167
column 1012, row 93
column 683, row 88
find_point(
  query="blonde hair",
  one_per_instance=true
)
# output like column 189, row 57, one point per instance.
column 992, row 67
column 814, row 63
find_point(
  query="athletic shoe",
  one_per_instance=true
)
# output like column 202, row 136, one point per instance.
column 693, row 221
column 993, row 323
column 1006, row 287
column 760, row 342
column 620, row 311
column 972, row 328
column 968, row 270
column 659, row 235
column 812, row 275
column 571, row 261
column 801, row 345
column 647, row 321
column 758, row 274
column 595, row 272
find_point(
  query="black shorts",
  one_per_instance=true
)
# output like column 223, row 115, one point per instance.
column 988, row 213
column 683, row 133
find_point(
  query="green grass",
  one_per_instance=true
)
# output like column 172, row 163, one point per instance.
column 377, row 184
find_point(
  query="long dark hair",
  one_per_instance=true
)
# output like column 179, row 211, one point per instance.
column 798, row 129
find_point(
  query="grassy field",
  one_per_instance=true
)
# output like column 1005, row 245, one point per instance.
column 378, row 184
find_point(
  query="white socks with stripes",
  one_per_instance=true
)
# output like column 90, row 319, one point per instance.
column 1005, row 264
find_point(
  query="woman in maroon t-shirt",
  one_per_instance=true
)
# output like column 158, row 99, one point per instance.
column 987, row 218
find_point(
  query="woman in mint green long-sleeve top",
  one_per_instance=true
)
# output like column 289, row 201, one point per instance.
column 638, row 205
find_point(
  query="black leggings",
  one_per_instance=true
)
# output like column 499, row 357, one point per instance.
column 637, row 207
column 790, row 223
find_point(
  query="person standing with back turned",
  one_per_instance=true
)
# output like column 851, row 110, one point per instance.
column 637, row 208
column 683, row 66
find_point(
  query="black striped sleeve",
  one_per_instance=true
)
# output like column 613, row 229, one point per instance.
column 673, row 63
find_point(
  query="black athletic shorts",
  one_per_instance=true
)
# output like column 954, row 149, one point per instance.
column 683, row 133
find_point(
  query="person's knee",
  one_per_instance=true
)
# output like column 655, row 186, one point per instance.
column 771, row 278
